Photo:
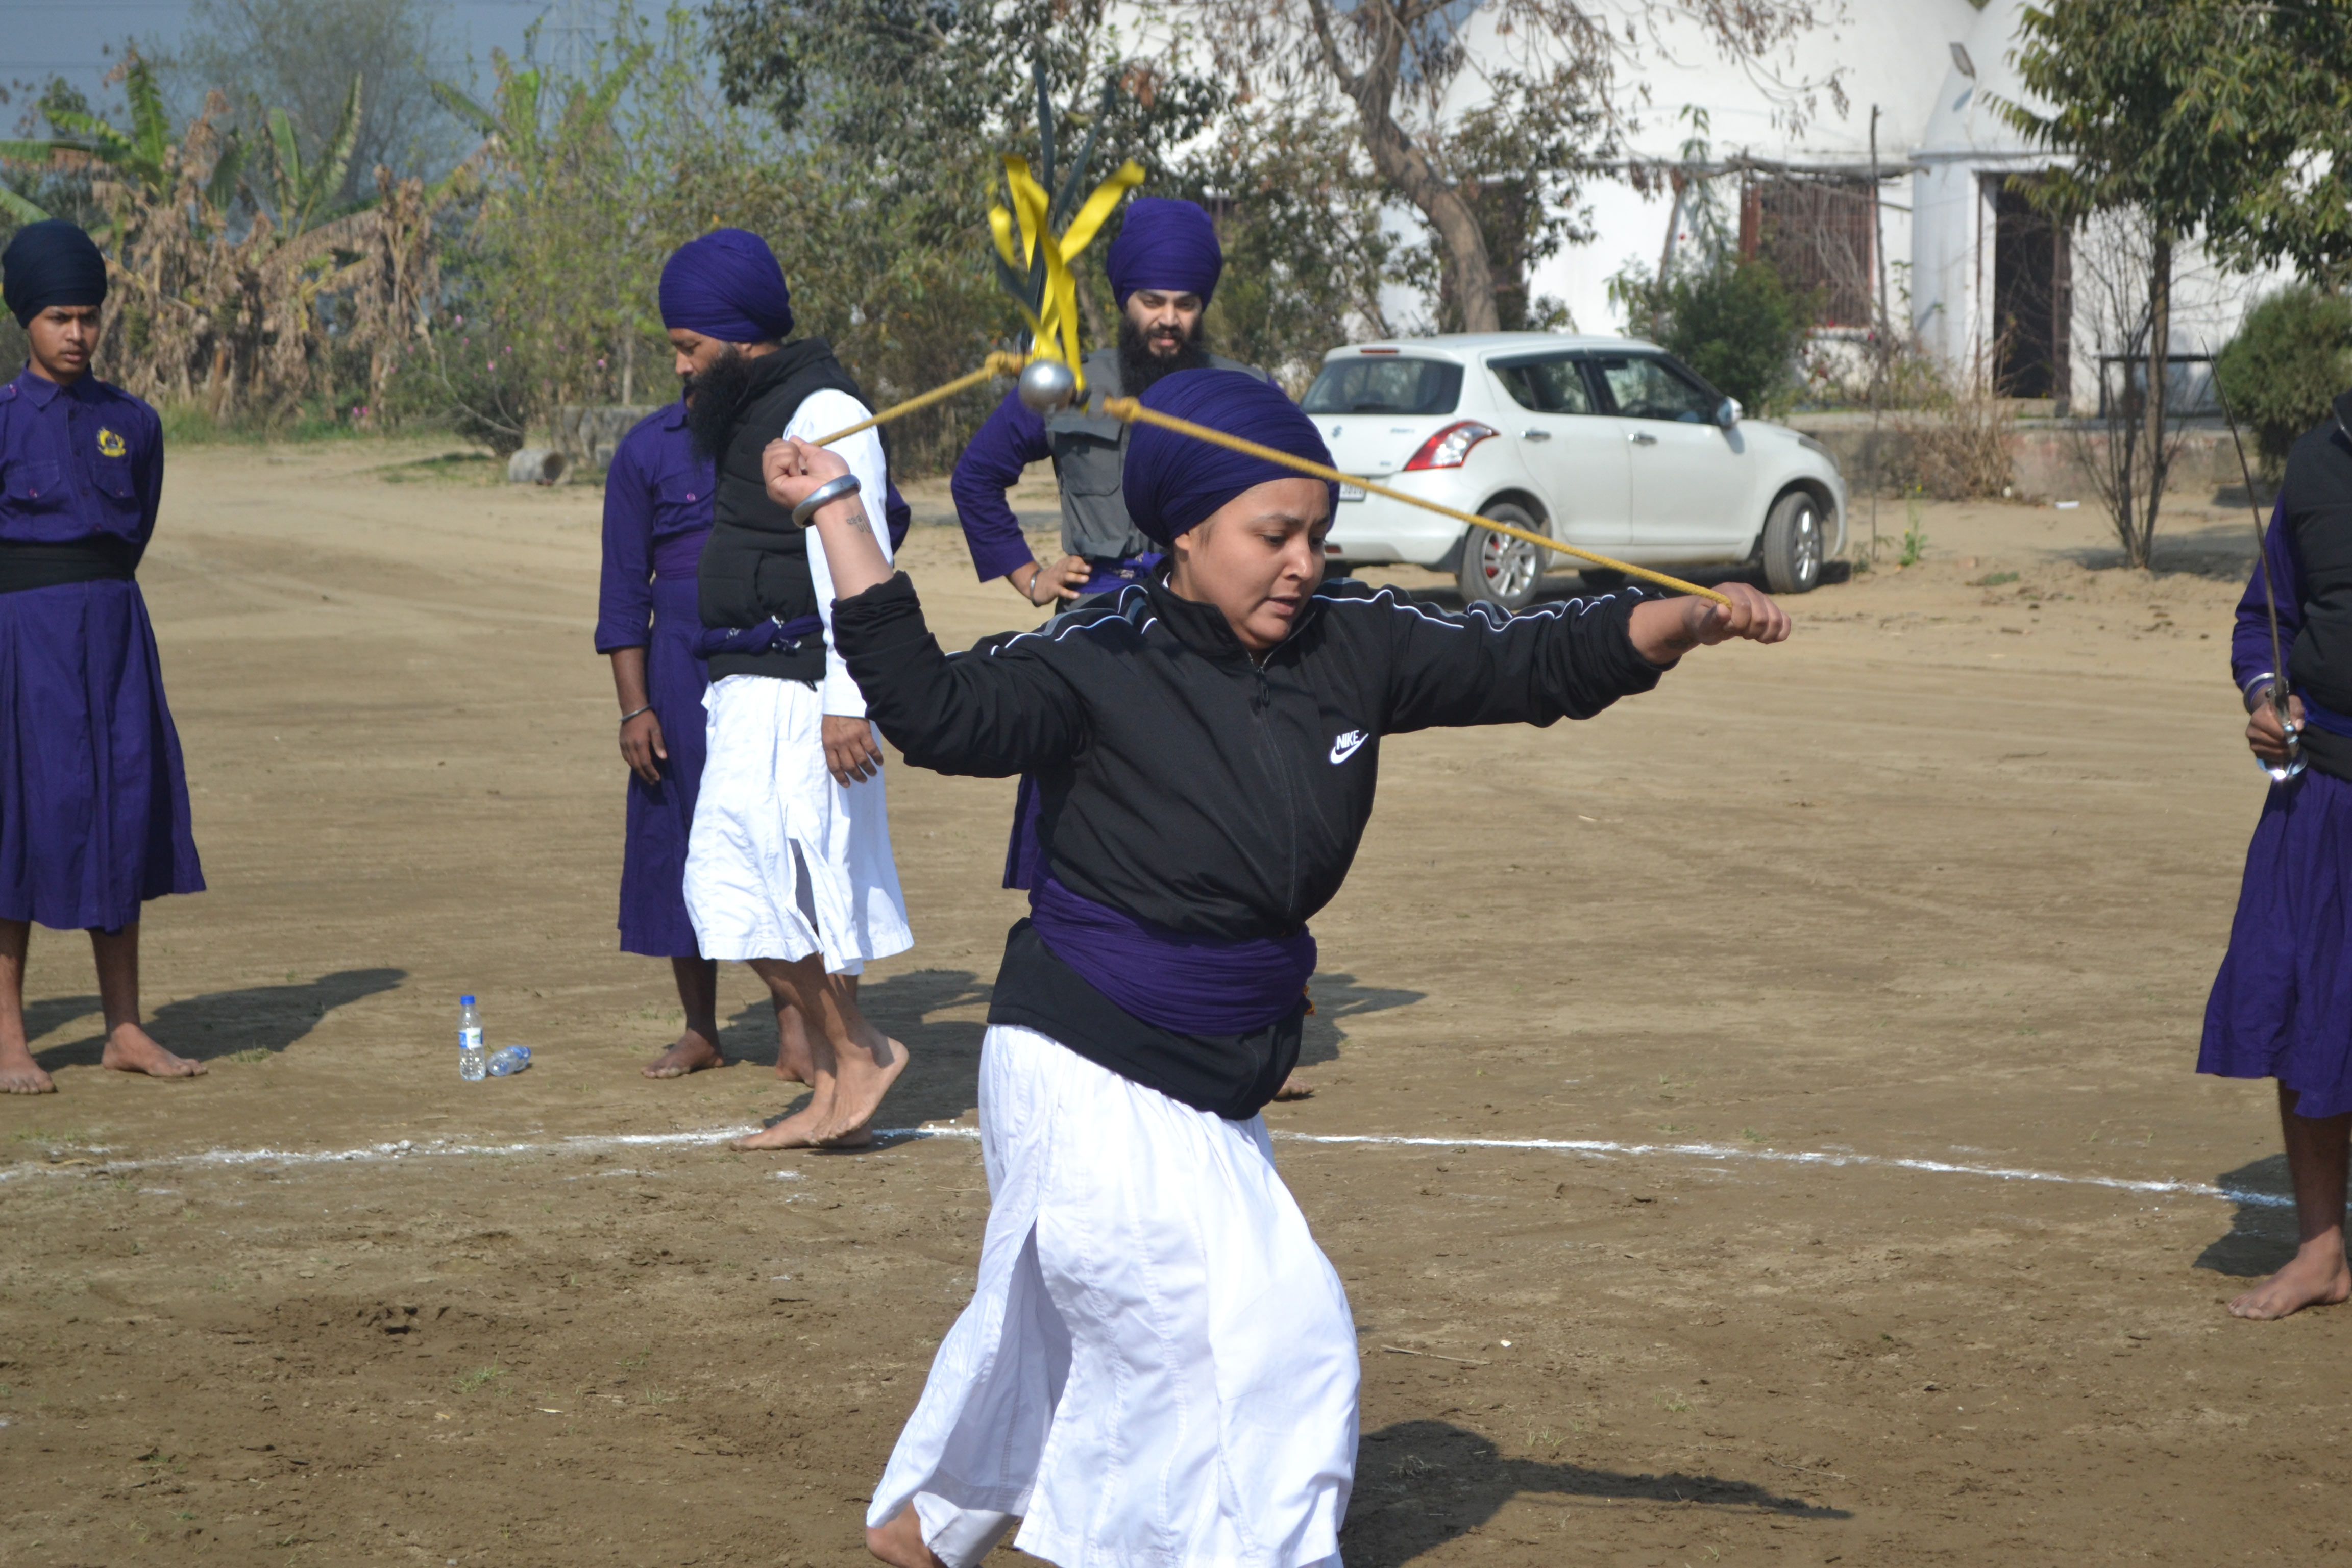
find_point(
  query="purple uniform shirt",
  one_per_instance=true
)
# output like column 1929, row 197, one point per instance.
column 656, row 515
column 77, row 460
column 2250, row 638
column 1013, row 437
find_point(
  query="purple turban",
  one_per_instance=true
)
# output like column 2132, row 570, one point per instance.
column 1174, row 482
column 51, row 262
column 727, row 285
column 1168, row 246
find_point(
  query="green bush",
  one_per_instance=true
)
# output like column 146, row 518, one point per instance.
column 1735, row 323
column 2291, row 359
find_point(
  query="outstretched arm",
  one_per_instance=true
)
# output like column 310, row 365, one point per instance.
column 1564, row 660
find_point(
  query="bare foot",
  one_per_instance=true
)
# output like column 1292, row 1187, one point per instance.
column 900, row 1542
column 129, row 1048
column 861, row 1079
column 2318, row 1277
column 20, row 1074
column 692, row 1053
column 1295, row 1087
column 804, row 1129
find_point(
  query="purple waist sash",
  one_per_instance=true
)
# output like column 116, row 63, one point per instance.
column 769, row 634
column 1191, row 985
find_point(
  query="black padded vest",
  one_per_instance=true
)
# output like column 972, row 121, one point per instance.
column 755, row 563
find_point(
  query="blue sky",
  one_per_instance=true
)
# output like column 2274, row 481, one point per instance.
column 42, row 38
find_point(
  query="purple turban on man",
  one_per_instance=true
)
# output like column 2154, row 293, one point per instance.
column 1173, row 481
column 727, row 285
column 50, row 262
column 1167, row 246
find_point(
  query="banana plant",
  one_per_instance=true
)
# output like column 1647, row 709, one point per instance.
column 139, row 156
column 304, row 191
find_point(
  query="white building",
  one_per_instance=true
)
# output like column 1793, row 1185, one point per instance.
column 1981, row 277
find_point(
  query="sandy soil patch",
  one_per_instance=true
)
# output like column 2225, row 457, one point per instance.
column 1943, row 882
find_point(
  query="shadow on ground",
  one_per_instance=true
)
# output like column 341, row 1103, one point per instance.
column 1338, row 998
column 1420, row 1484
column 255, row 1018
column 2262, row 1235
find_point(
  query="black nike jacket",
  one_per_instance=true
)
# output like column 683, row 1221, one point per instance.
column 1189, row 786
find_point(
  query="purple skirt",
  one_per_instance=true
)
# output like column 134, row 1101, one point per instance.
column 93, row 794
column 653, row 863
column 2281, row 1006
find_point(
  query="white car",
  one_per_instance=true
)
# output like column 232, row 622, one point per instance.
column 1609, row 443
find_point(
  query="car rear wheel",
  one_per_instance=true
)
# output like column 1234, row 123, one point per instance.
column 1793, row 544
column 1498, row 568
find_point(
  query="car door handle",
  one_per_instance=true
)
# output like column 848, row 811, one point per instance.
column 1534, row 435
column 1640, row 440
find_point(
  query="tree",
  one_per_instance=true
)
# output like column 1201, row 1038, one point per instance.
column 1487, row 118
column 2289, row 361
column 303, row 59
column 912, row 100
column 2279, row 78
column 2140, row 128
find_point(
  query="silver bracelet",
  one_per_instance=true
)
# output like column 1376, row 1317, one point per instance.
column 646, row 709
column 824, row 494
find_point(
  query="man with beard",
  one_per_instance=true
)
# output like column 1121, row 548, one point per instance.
column 1163, row 270
column 788, row 864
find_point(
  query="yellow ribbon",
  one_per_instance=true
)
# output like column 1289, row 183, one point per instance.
column 1055, row 323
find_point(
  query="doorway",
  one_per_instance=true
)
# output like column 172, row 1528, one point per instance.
column 2031, row 284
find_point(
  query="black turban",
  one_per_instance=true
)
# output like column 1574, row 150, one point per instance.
column 51, row 262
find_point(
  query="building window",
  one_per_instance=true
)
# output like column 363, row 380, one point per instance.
column 1817, row 234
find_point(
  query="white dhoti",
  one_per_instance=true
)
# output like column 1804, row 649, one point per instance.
column 1157, row 1368
column 784, row 862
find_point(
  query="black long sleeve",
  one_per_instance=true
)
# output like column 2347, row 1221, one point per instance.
column 1000, row 709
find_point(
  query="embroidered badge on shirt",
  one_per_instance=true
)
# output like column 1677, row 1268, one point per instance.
column 110, row 444
column 1344, row 746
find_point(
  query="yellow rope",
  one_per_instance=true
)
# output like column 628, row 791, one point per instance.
column 998, row 364
column 1130, row 410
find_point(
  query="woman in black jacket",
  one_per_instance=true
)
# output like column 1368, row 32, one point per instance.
column 1157, row 1363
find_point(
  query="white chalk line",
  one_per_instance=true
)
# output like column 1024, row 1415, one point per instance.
column 1605, row 1148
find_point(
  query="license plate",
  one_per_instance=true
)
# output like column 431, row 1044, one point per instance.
column 1351, row 492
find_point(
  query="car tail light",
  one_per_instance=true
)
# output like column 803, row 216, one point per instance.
column 1450, row 447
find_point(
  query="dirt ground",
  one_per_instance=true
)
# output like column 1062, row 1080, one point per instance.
column 1942, row 881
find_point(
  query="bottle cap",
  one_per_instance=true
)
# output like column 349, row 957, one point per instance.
column 465, row 1001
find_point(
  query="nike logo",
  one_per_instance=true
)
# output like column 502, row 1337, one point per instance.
column 1344, row 746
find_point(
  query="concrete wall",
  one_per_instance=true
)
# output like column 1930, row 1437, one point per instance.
column 2046, row 456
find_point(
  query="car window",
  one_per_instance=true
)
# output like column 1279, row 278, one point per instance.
column 1550, row 385
column 1385, row 385
column 1647, row 388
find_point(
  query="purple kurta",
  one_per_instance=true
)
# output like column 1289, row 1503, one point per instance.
column 93, row 793
column 2281, row 1005
column 656, row 514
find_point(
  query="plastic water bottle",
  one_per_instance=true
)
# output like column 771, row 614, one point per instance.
column 471, row 1062
column 509, row 1060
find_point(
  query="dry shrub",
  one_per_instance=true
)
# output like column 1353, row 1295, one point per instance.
column 241, row 322
column 1952, row 440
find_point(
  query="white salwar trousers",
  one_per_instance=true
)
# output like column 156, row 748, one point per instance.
column 1157, row 1368
column 782, row 861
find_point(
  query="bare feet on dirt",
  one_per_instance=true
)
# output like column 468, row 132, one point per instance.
column 1295, row 1087
column 691, row 1053
column 2318, row 1277
column 20, row 1074
column 129, row 1048
column 900, row 1542
column 840, row 1111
